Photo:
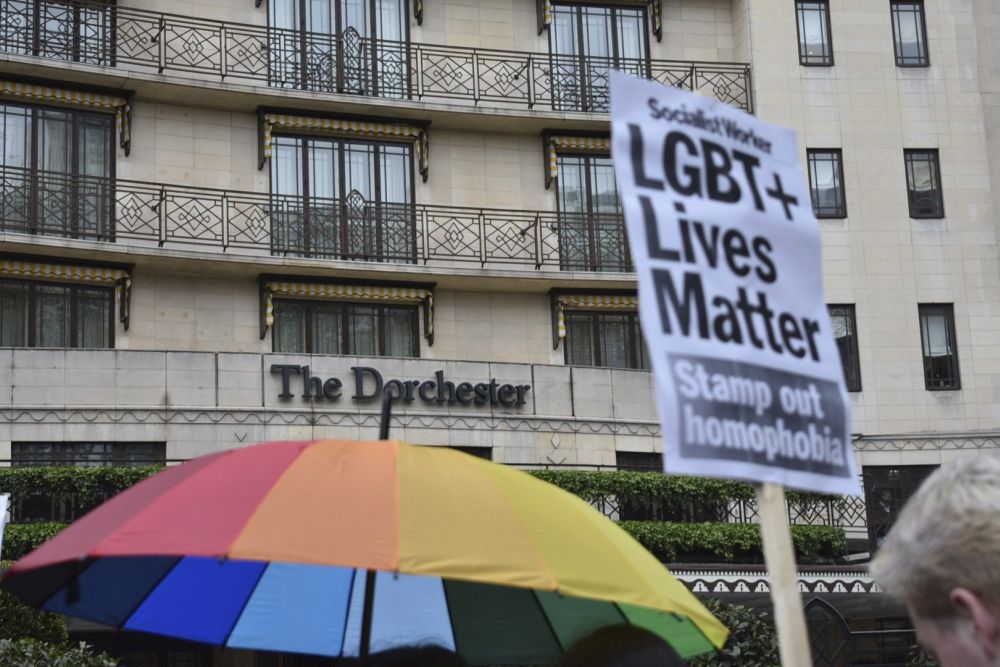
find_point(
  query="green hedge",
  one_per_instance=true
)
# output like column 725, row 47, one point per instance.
column 753, row 641
column 91, row 486
column 667, row 541
column 19, row 621
column 655, row 486
column 730, row 541
column 87, row 485
column 20, row 538
column 31, row 653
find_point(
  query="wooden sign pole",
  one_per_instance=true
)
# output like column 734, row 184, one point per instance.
column 793, row 642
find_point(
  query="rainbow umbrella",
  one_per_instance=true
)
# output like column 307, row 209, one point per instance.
column 337, row 548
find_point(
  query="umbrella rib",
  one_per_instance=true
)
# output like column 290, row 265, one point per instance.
column 253, row 590
column 347, row 612
column 548, row 622
column 135, row 608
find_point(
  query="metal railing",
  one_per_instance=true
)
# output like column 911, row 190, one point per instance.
column 115, row 36
column 55, row 204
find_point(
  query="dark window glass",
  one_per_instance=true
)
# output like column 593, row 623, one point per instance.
column 347, row 46
column 937, row 338
column 56, row 171
column 342, row 199
column 329, row 327
column 812, row 18
column 887, row 488
column 480, row 452
column 36, row 314
column 845, row 333
column 923, row 183
column 79, row 32
column 639, row 461
column 826, row 183
column 586, row 42
column 909, row 33
column 88, row 454
column 611, row 339
column 591, row 227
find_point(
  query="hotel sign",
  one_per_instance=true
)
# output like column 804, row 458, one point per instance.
column 368, row 384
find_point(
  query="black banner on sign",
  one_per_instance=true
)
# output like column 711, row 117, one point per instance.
column 735, row 411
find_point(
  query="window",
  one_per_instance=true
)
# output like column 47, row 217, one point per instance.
column 591, row 227
column 68, row 505
column 845, row 333
column 37, row 314
column 586, row 42
column 826, row 182
column 88, row 454
column 343, row 198
column 76, row 32
column 812, row 19
column 909, row 33
column 347, row 46
column 479, row 452
column 57, row 167
column 887, row 488
column 923, row 183
column 611, row 339
column 639, row 461
column 330, row 327
column 937, row 338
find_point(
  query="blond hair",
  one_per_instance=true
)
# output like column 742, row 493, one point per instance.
column 947, row 537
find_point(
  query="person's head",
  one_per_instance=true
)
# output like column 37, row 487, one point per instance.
column 620, row 646
column 428, row 655
column 942, row 557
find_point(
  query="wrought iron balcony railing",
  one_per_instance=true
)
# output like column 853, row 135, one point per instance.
column 105, row 34
column 352, row 228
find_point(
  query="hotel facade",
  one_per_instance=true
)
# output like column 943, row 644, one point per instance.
column 237, row 221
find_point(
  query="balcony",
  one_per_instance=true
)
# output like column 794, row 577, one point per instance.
column 147, row 41
column 351, row 229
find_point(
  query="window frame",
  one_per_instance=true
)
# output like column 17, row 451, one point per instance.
column 68, row 461
column 343, row 307
column 804, row 58
column 841, row 189
column 638, row 461
column 75, row 288
column 305, row 187
column 853, row 383
column 595, row 262
column 74, row 176
column 635, row 343
column 900, row 482
column 935, row 161
column 33, row 42
column 589, row 100
column 948, row 310
column 923, row 61
column 303, row 31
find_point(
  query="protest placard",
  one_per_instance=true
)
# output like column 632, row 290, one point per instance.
column 727, row 250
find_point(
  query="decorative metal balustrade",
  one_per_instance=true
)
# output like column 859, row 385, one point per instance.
column 105, row 34
column 842, row 512
column 53, row 204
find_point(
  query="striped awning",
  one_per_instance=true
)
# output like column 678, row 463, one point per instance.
column 350, row 128
column 561, row 143
column 566, row 302
column 116, row 104
column 345, row 292
column 115, row 277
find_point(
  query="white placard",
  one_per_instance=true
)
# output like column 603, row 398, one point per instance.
column 727, row 249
